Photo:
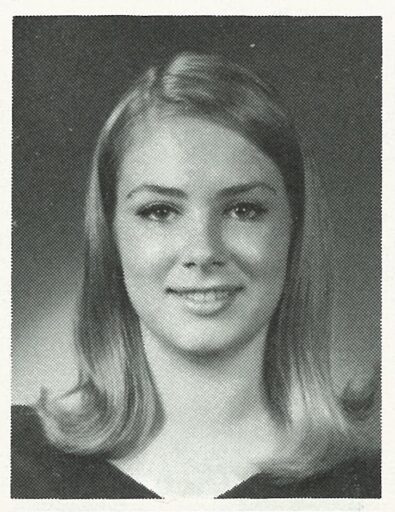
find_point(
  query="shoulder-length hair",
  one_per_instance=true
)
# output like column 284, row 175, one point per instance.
column 115, row 408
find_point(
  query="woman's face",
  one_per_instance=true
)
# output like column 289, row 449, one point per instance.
column 202, row 225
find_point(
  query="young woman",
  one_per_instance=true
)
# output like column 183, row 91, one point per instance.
column 204, row 325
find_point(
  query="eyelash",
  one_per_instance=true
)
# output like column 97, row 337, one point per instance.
column 254, row 211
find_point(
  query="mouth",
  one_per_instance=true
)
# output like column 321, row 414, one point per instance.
column 206, row 300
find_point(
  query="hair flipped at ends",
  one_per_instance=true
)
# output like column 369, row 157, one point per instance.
column 117, row 407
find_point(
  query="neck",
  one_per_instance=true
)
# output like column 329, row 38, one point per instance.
column 207, row 391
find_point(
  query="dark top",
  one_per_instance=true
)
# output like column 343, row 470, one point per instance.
column 39, row 470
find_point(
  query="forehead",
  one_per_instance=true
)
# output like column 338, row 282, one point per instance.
column 187, row 152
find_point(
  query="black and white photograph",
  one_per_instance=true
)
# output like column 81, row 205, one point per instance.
column 196, row 257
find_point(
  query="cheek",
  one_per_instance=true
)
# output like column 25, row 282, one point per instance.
column 262, row 252
column 144, row 257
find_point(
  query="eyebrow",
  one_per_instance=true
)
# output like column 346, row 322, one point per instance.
column 227, row 191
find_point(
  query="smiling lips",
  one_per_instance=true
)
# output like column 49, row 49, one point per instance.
column 206, row 300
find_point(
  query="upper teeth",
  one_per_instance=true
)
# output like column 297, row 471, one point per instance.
column 209, row 296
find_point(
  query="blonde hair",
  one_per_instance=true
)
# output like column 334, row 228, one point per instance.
column 114, row 408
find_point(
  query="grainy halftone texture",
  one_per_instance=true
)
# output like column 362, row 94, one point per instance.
column 69, row 73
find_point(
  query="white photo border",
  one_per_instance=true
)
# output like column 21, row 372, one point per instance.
column 382, row 8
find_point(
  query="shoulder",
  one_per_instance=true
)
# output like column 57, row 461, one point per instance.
column 26, row 430
column 30, row 457
column 38, row 469
column 354, row 478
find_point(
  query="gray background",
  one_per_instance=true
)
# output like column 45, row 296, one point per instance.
column 68, row 74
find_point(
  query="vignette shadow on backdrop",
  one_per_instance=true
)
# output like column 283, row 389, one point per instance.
column 68, row 73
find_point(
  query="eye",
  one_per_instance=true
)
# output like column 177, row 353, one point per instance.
column 158, row 212
column 246, row 211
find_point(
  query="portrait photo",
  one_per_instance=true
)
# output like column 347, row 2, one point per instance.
column 196, row 257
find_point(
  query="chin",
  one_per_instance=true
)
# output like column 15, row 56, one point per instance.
column 200, row 338
column 204, row 345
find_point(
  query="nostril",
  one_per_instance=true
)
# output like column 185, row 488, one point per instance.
column 189, row 264
column 214, row 263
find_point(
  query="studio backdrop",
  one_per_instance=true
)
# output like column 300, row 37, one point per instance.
column 68, row 72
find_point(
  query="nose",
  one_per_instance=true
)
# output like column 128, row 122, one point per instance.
column 204, row 246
